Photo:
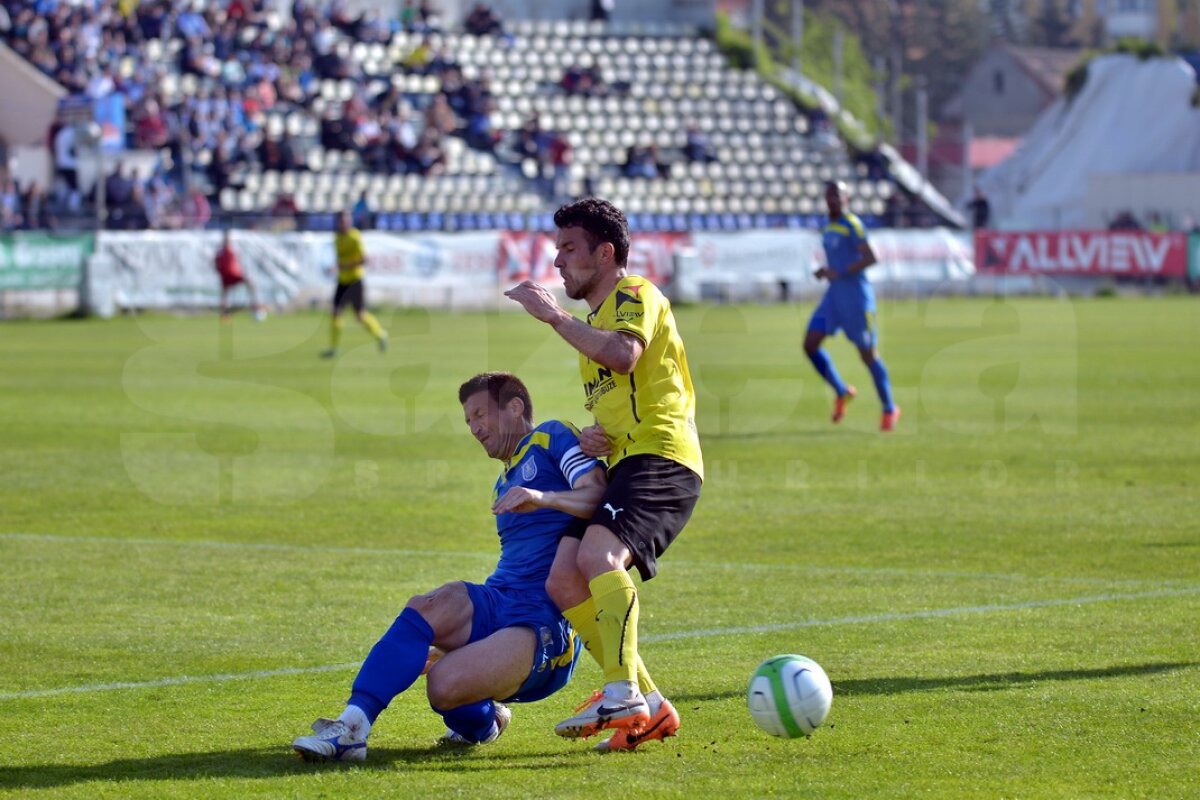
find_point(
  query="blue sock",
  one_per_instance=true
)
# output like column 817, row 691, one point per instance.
column 393, row 665
column 825, row 368
column 474, row 721
column 882, row 384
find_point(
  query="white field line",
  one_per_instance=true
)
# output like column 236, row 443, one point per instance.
column 860, row 619
column 676, row 562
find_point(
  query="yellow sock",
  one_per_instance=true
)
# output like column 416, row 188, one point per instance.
column 645, row 684
column 617, row 617
column 583, row 619
column 335, row 332
column 372, row 325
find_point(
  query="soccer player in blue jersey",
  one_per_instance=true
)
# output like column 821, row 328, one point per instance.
column 503, row 640
column 848, row 305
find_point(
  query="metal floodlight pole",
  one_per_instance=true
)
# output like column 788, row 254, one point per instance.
column 838, row 44
column 756, row 30
column 797, row 34
column 968, row 178
column 922, row 127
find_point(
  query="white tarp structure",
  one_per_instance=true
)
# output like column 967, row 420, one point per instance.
column 1131, row 116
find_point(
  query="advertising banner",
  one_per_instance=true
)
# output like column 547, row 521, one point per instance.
column 1194, row 256
column 152, row 269
column 42, row 260
column 525, row 256
column 789, row 256
column 933, row 255
column 1087, row 253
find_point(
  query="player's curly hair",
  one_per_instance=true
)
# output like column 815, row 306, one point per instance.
column 601, row 222
column 501, row 387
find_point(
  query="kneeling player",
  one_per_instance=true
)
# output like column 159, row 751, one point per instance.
column 504, row 640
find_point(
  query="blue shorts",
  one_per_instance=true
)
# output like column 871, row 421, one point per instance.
column 853, row 315
column 557, row 649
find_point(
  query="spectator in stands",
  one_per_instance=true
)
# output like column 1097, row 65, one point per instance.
column 419, row 57
column 1156, row 224
column 479, row 132
column 402, row 141
column 195, row 210
column 1125, row 221
column 66, row 163
column 643, row 162
column 559, row 157
column 371, row 145
column 439, row 117
column 427, row 17
column 981, row 209
column 483, row 21
column 283, row 213
column 530, row 140
column 602, row 10
column 294, row 157
column 428, row 157
column 361, row 215
column 118, row 192
column 150, row 126
column 133, row 214
column 442, row 61
column 10, row 206
column 695, row 146
column 162, row 208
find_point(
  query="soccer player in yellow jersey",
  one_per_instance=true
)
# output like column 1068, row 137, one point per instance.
column 351, row 259
column 636, row 382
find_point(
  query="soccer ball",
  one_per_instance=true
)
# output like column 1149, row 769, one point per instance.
column 789, row 696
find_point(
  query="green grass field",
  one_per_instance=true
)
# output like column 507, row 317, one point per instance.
column 204, row 528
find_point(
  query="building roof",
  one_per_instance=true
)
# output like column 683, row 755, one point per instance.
column 1048, row 66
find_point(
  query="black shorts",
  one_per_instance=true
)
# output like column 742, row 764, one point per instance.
column 648, row 501
column 352, row 293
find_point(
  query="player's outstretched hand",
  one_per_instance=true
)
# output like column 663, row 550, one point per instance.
column 593, row 441
column 825, row 273
column 537, row 300
column 519, row 499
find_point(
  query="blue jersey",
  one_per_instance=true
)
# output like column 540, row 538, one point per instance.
column 841, row 239
column 849, row 303
column 547, row 459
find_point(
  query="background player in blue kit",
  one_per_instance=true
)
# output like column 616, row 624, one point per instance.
column 504, row 640
column 848, row 305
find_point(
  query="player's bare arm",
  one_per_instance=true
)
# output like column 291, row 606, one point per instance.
column 580, row 501
column 866, row 258
column 614, row 349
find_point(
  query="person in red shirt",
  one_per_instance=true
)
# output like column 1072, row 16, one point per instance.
column 230, row 272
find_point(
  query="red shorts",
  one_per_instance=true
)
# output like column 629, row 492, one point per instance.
column 231, row 279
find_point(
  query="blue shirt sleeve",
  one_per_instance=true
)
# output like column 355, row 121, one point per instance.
column 564, row 449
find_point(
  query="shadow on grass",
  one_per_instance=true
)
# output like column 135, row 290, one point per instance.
column 1001, row 680
column 272, row 762
column 993, row 682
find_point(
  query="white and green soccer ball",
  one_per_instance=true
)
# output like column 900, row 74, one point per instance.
column 789, row 696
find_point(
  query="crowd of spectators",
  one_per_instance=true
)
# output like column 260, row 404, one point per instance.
column 245, row 62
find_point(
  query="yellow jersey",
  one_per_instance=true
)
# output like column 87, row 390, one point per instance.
column 652, row 410
column 350, row 250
